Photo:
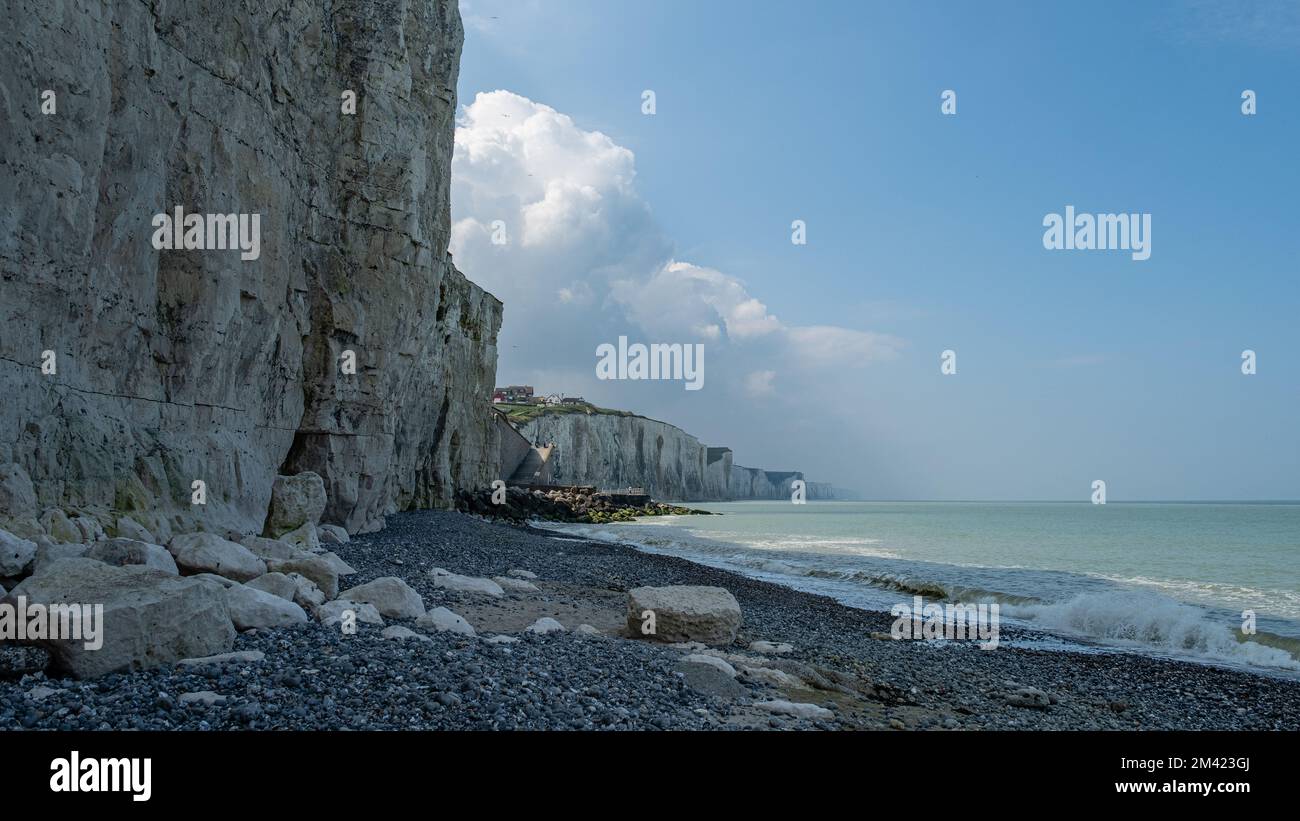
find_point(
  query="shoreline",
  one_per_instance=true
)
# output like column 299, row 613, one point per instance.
column 312, row 677
column 1040, row 637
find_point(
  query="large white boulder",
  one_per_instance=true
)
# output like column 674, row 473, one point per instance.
column 128, row 528
column 443, row 620
column 60, row 527
column 683, row 613
column 149, row 617
column 277, row 584
column 399, row 633
column 391, row 596
column 340, row 567
column 545, row 624
column 295, row 501
column 316, row 568
column 516, row 585
column 89, row 528
column 264, row 548
column 464, row 584
column 304, row 539
column 333, row 613
column 209, row 553
column 48, row 551
column 121, row 552
column 711, row 661
column 333, row 534
column 16, row 554
column 253, row 608
column 306, row 594
column 797, row 709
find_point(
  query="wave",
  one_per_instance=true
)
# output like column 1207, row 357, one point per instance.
column 1283, row 603
column 1151, row 621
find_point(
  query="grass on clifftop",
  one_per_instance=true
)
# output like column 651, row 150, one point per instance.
column 522, row 414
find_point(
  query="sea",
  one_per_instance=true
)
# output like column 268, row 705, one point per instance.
column 1177, row 580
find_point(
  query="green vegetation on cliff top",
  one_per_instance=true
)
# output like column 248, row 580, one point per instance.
column 522, row 414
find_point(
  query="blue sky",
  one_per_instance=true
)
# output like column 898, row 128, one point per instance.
column 924, row 232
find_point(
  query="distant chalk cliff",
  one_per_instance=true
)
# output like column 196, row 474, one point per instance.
column 611, row 451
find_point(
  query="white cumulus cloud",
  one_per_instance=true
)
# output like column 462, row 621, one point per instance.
column 585, row 260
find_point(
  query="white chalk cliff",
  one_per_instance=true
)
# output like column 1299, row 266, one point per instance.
column 180, row 365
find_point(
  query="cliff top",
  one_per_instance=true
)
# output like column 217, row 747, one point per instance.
column 521, row 414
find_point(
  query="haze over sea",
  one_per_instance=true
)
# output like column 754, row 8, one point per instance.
column 1170, row 579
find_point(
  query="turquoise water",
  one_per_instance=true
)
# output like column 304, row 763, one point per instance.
column 1168, row 579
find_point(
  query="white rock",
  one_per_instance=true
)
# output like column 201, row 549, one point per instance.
column 685, row 613
column 391, row 596
column 545, row 624
column 48, row 551
column 331, row 613
column 464, row 584
column 502, row 640
column 332, row 534
column 122, row 551
column 517, row 585
column 149, row 617
column 236, row 657
column 587, row 630
column 209, row 553
column 522, row 574
column 60, row 527
column 340, row 567
column 25, row 527
column 777, row 678
column 128, row 528
column 769, row 648
column 41, row 693
column 265, row 548
column 251, row 608
column 90, row 529
column 277, row 584
column 711, row 661
column 399, row 633
column 205, row 697
column 304, row 539
column 1031, row 697
column 306, row 594
column 15, row 554
column 295, row 501
column 443, row 620
column 316, row 568
column 796, row 709
column 213, row 578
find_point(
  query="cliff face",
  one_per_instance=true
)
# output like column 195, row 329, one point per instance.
column 183, row 365
column 611, row 451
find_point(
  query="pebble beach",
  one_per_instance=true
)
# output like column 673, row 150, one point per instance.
column 799, row 661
